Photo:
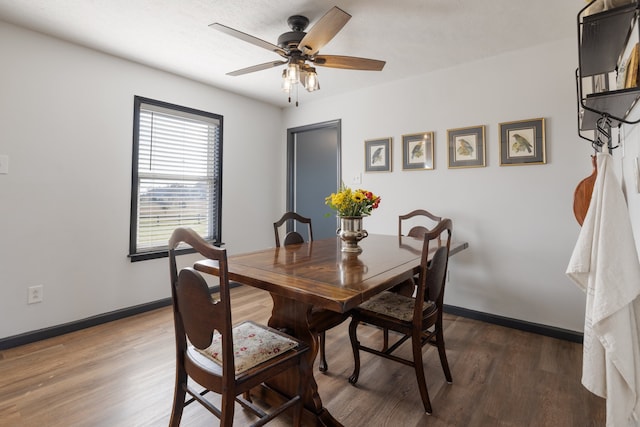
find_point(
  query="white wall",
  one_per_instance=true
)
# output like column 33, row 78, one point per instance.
column 518, row 220
column 626, row 157
column 66, row 124
column 628, row 154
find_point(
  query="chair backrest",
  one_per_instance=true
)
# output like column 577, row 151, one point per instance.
column 195, row 314
column 433, row 272
column 411, row 217
column 292, row 236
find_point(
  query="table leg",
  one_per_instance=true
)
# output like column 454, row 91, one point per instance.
column 294, row 317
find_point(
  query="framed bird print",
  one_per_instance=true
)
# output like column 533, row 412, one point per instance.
column 466, row 147
column 417, row 151
column 522, row 143
column 377, row 155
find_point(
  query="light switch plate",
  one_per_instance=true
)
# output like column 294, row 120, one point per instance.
column 4, row 164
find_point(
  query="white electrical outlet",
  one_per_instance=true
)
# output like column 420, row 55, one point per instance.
column 4, row 164
column 35, row 294
column 357, row 179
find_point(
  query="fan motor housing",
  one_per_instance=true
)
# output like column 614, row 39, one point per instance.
column 290, row 40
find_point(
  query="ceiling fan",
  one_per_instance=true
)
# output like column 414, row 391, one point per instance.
column 298, row 48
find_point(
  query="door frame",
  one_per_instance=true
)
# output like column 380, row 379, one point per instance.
column 291, row 134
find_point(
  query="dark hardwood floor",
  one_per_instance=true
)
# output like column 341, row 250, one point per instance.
column 122, row 374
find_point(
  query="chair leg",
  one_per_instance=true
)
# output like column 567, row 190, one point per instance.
column 297, row 413
column 416, row 344
column 323, row 358
column 356, row 352
column 385, row 339
column 227, row 407
column 304, row 371
column 179, row 395
column 442, row 353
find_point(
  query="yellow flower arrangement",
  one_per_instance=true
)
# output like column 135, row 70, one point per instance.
column 348, row 202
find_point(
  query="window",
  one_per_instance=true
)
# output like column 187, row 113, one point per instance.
column 176, row 175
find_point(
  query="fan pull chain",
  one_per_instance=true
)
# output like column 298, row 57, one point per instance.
column 296, row 89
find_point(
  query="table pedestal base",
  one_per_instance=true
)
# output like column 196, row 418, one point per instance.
column 294, row 317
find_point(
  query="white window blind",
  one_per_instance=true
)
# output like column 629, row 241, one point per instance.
column 178, row 172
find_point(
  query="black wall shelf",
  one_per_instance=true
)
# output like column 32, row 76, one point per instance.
column 602, row 41
column 604, row 37
column 615, row 103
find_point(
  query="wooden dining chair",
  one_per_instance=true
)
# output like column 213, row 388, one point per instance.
column 416, row 221
column 225, row 359
column 418, row 318
column 321, row 320
column 422, row 216
column 292, row 235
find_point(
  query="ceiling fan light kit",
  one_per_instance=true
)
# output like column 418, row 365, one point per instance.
column 297, row 48
column 302, row 73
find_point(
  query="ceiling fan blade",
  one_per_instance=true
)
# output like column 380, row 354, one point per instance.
column 258, row 67
column 349, row 62
column 323, row 31
column 248, row 38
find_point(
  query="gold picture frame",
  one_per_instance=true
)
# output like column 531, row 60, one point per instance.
column 377, row 155
column 466, row 147
column 417, row 151
column 523, row 142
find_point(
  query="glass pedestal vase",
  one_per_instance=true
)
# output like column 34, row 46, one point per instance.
column 351, row 232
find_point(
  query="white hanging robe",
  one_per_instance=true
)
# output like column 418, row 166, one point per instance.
column 605, row 265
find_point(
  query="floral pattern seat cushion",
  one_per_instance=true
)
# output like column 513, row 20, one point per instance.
column 252, row 344
column 394, row 305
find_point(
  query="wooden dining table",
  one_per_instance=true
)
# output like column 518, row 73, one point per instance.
column 315, row 283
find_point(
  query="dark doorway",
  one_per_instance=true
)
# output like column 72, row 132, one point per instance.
column 313, row 173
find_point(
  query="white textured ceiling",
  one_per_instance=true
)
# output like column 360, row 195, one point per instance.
column 413, row 36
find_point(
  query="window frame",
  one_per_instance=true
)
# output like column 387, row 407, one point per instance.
column 216, row 208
